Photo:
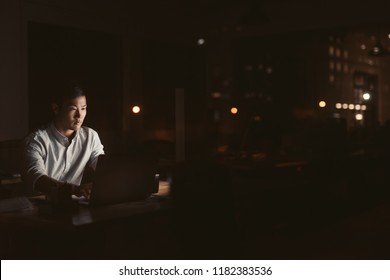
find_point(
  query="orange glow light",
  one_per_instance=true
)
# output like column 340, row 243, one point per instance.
column 136, row 109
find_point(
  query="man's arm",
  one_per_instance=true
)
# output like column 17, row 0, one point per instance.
column 97, row 149
column 34, row 167
column 48, row 186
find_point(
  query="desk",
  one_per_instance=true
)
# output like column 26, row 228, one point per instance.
column 114, row 231
column 82, row 215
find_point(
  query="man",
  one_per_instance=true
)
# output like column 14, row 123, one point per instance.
column 57, row 156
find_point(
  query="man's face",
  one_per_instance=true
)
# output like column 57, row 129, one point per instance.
column 72, row 113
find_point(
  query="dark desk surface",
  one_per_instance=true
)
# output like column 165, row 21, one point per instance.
column 125, row 230
column 82, row 215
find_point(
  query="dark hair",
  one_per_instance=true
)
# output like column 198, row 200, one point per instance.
column 66, row 90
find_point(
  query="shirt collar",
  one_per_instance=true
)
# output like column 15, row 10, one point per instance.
column 61, row 138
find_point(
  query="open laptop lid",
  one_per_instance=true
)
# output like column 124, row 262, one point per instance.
column 121, row 178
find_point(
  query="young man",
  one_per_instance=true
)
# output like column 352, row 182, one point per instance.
column 57, row 156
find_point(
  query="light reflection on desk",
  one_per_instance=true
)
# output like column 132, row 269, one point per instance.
column 163, row 188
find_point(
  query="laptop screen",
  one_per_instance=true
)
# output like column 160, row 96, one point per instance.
column 122, row 179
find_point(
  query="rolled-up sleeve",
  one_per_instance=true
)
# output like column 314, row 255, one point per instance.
column 34, row 161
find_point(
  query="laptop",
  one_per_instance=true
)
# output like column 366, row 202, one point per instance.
column 121, row 178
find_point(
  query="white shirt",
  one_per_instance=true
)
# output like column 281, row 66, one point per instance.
column 50, row 153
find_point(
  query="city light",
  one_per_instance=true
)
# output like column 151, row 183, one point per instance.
column 366, row 96
column 350, row 106
column 322, row 104
column 201, row 41
column 136, row 109
column 359, row 117
column 234, row 110
column 216, row 94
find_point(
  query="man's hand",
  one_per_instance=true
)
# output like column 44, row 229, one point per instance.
column 82, row 190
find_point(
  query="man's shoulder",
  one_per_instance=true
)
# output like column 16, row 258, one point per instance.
column 87, row 131
column 39, row 133
column 90, row 138
column 38, row 138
